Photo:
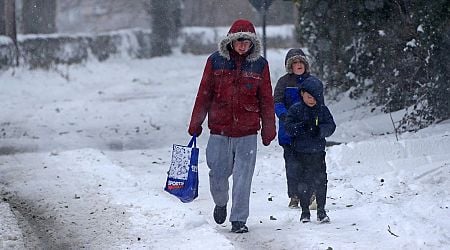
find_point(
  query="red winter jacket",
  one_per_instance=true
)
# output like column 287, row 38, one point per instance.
column 237, row 96
column 235, row 91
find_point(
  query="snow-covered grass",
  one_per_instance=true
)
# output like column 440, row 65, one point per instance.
column 89, row 147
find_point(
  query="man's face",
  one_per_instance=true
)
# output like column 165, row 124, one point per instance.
column 308, row 99
column 298, row 67
column 242, row 46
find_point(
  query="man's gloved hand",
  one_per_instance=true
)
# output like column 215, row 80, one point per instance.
column 267, row 135
column 195, row 131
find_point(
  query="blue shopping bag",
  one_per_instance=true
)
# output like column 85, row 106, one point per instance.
column 182, row 177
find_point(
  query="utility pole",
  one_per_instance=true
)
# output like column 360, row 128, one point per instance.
column 262, row 6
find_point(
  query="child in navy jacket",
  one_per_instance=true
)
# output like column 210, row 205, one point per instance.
column 285, row 95
column 308, row 122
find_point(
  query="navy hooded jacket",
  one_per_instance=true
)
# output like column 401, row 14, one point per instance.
column 300, row 115
column 287, row 93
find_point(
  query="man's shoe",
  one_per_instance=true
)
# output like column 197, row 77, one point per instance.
column 220, row 214
column 294, row 202
column 305, row 217
column 238, row 227
column 322, row 217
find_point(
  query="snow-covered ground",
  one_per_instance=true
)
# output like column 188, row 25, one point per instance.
column 85, row 151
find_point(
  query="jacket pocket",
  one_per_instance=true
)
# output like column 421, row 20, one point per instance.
column 250, row 118
column 251, row 107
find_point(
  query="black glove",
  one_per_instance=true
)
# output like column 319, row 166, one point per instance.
column 314, row 131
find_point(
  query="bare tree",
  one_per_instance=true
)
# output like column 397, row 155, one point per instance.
column 166, row 24
column 39, row 16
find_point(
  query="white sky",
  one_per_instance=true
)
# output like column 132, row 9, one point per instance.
column 84, row 194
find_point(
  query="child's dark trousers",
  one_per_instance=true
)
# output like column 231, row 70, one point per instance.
column 312, row 176
column 291, row 170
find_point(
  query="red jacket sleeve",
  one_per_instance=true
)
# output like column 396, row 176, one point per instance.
column 268, row 131
column 202, row 101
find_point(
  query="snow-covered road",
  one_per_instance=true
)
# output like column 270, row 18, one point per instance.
column 86, row 150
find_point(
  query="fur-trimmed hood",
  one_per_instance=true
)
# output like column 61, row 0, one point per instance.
column 241, row 28
column 295, row 54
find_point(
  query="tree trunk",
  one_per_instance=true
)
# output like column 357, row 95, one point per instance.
column 2, row 18
column 10, row 24
column 166, row 23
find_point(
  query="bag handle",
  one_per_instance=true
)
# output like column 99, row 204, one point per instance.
column 193, row 141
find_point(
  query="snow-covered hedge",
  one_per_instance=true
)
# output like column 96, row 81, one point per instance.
column 43, row 51
column 7, row 52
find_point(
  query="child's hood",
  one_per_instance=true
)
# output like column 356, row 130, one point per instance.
column 292, row 55
column 314, row 86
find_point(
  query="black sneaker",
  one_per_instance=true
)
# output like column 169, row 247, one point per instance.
column 322, row 216
column 305, row 217
column 238, row 227
column 220, row 214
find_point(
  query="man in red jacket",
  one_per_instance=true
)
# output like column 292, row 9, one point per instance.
column 236, row 94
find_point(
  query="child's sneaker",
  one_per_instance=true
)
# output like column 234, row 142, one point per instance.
column 322, row 217
column 294, row 202
column 305, row 217
column 238, row 227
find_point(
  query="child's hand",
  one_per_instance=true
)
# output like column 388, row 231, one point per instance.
column 314, row 131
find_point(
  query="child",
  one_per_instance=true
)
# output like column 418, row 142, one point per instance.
column 308, row 122
column 285, row 95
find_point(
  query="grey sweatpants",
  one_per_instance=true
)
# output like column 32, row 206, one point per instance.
column 235, row 156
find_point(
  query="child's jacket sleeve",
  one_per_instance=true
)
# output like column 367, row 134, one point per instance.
column 294, row 125
column 326, row 124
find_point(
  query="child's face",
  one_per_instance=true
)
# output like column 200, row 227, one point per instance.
column 308, row 99
column 298, row 67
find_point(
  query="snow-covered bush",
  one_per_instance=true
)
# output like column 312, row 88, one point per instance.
column 397, row 51
column 7, row 52
column 43, row 51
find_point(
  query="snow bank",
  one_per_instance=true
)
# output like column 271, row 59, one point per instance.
column 10, row 233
